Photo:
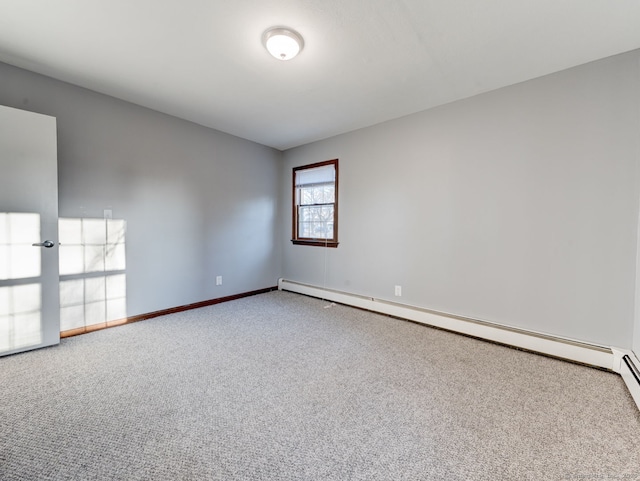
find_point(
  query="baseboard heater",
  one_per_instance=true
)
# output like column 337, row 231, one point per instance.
column 569, row 349
column 630, row 372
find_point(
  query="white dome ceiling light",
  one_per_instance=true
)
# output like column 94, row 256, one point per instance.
column 283, row 43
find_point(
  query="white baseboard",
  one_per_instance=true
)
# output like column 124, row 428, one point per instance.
column 582, row 352
column 628, row 367
column 617, row 360
column 578, row 351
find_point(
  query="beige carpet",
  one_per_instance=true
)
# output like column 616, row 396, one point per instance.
column 276, row 387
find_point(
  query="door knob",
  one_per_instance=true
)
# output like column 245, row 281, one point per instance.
column 48, row 244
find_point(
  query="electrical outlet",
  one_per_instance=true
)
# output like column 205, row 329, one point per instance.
column 218, row 280
column 398, row 291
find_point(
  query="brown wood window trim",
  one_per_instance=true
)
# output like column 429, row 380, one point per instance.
column 314, row 241
column 318, row 243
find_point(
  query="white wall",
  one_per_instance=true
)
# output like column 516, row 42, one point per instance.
column 636, row 326
column 519, row 206
column 198, row 203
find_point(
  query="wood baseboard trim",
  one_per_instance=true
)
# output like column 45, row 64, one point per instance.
column 162, row 312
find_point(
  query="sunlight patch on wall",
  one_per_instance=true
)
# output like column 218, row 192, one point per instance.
column 18, row 258
column 20, row 289
column 20, row 316
column 92, row 245
column 91, row 301
column 92, row 272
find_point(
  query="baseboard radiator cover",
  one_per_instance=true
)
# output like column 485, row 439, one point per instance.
column 577, row 351
column 628, row 366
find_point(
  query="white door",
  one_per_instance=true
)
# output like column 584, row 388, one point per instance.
column 29, row 292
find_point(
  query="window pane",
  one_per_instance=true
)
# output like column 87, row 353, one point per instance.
column 317, row 194
column 316, row 213
column 316, row 230
column 316, row 222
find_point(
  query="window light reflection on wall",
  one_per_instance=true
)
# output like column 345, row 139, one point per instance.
column 21, row 302
column 92, row 272
column 18, row 258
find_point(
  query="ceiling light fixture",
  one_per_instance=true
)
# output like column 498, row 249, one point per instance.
column 283, row 43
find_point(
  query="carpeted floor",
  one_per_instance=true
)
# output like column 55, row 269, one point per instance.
column 276, row 387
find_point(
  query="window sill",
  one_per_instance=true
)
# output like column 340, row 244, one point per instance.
column 317, row 243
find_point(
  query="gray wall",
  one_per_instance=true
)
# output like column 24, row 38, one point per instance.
column 198, row 203
column 519, row 206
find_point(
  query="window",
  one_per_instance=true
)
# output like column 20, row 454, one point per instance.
column 315, row 204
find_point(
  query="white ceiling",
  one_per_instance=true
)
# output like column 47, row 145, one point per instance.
column 364, row 61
